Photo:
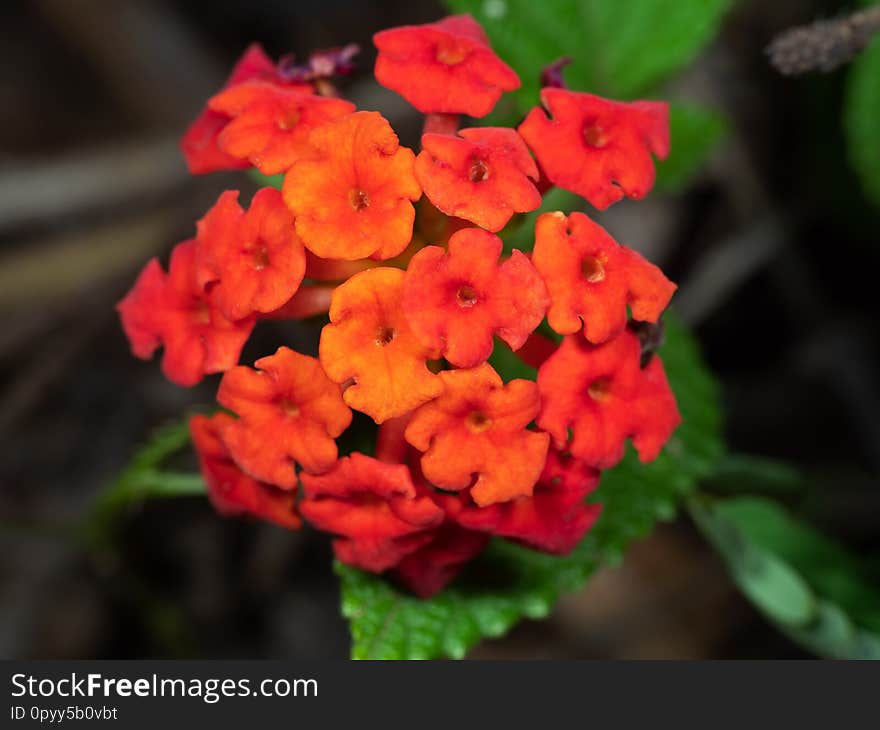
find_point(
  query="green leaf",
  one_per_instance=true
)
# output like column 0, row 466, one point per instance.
column 508, row 365
column 143, row 478
column 773, row 586
column 509, row 583
column 828, row 567
column 164, row 442
column 810, row 587
column 266, row 181
column 160, row 483
column 862, row 119
column 695, row 131
column 834, row 635
column 619, row 49
column 744, row 473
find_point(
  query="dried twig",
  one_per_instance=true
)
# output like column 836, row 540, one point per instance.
column 824, row 45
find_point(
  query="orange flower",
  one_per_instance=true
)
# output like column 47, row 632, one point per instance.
column 593, row 278
column 373, row 506
column 444, row 67
column 288, row 410
column 597, row 148
column 482, row 175
column 231, row 491
column 478, row 426
column 200, row 143
column 255, row 258
column 270, row 124
column 176, row 312
column 600, row 393
column 369, row 341
column 456, row 300
column 354, row 198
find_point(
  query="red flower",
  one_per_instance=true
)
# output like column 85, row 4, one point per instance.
column 231, row 491
column 200, row 143
column 174, row 311
column 456, row 300
column 354, row 197
column 593, row 278
column 597, row 148
column 478, row 426
column 432, row 566
column 288, row 411
column 444, row 67
column 374, row 509
column 604, row 397
column 369, row 341
column 255, row 258
column 482, row 175
column 554, row 519
column 270, row 124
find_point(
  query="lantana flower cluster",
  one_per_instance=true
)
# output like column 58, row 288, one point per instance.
column 403, row 253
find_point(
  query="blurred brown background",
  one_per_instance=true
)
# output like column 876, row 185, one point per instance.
column 774, row 246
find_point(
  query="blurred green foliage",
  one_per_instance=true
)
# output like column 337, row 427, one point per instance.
column 815, row 591
column 695, row 132
column 618, row 49
column 862, row 118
